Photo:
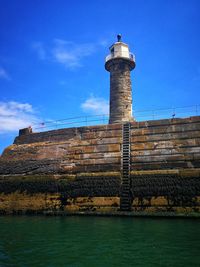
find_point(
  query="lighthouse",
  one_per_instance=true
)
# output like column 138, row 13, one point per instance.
column 120, row 62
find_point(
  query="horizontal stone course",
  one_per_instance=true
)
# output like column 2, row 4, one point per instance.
column 165, row 136
column 166, row 151
column 166, row 157
column 163, row 165
column 177, row 128
column 169, row 144
column 164, row 122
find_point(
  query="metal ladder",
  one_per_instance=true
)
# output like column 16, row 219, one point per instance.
column 125, row 195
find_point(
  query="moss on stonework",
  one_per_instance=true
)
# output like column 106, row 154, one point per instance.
column 70, row 185
column 178, row 191
column 93, row 174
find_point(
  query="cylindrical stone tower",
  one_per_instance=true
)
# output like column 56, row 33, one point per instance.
column 119, row 63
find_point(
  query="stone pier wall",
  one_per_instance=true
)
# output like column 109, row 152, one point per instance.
column 74, row 150
column 79, row 169
column 165, row 144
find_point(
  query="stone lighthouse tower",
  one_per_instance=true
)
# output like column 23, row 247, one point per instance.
column 119, row 63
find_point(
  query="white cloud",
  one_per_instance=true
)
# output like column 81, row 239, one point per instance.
column 95, row 105
column 66, row 53
column 4, row 74
column 15, row 115
column 70, row 54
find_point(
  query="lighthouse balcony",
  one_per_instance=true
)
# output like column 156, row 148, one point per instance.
column 129, row 56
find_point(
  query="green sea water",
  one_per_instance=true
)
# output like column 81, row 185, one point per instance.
column 98, row 241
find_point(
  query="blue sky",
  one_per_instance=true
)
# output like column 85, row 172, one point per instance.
column 52, row 57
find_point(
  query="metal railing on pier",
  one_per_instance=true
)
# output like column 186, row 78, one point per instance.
column 139, row 115
column 71, row 122
column 167, row 113
column 116, row 55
